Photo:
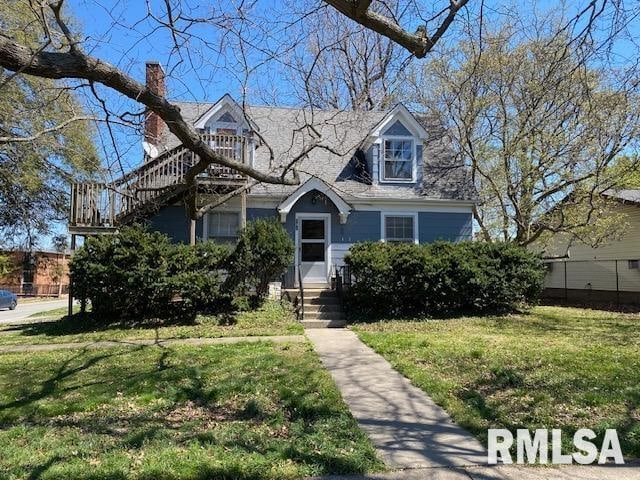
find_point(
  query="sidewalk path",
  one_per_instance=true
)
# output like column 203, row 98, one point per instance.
column 407, row 428
column 511, row 472
column 47, row 347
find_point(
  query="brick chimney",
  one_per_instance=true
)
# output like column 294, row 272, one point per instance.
column 153, row 125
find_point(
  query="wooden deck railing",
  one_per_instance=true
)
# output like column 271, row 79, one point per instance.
column 101, row 205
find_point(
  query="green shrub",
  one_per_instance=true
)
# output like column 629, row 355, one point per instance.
column 139, row 274
column 124, row 275
column 263, row 253
column 196, row 276
column 408, row 280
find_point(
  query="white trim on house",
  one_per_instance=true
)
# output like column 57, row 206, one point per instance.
column 368, row 204
column 264, row 201
column 226, row 103
column 382, row 159
column 402, row 113
column 385, row 214
column 344, row 209
column 401, row 205
column 327, row 238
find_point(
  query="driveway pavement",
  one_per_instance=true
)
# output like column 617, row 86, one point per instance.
column 24, row 310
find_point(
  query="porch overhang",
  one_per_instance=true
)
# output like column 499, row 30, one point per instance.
column 344, row 209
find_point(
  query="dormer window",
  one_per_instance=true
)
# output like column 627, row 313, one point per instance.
column 227, row 118
column 396, row 147
column 398, row 160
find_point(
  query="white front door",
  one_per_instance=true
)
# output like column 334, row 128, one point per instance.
column 313, row 248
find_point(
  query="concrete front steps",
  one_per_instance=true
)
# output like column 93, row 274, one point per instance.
column 322, row 309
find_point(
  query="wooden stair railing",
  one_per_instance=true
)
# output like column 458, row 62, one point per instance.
column 104, row 205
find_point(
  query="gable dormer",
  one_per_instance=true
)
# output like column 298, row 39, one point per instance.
column 224, row 117
column 396, row 148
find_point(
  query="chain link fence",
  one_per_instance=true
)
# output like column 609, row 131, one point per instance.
column 594, row 281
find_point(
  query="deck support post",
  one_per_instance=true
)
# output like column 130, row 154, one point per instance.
column 70, row 302
column 192, row 232
column 243, row 209
column 192, row 213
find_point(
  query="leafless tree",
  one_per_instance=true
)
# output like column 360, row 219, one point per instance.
column 244, row 41
column 343, row 65
column 541, row 123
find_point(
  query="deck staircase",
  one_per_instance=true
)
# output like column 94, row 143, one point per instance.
column 101, row 207
column 322, row 309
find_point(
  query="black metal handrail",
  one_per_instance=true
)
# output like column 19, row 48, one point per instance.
column 344, row 277
column 301, row 289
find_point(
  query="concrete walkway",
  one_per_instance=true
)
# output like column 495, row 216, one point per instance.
column 407, row 428
column 47, row 347
column 511, row 472
column 412, row 434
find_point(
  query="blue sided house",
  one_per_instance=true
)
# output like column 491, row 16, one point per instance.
column 386, row 176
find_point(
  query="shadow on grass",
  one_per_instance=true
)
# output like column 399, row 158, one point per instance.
column 65, row 371
column 508, row 382
column 87, row 323
column 224, row 413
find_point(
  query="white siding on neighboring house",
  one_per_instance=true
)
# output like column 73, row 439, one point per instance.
column 629, row 279
column 603, row 268
column 628, row 247
column 594, row 275
column 599, row 275
column 555, row 276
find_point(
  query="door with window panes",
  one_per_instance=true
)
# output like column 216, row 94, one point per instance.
column 312, row 249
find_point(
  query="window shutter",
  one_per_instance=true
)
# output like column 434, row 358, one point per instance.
column 375, row 155
column 419, row 164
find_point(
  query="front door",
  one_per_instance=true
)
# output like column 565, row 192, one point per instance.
column 313, row 246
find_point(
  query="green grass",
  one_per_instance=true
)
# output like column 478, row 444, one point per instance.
column 555, row 367
column 55, row 312
column 244, row 411
column 273, row 318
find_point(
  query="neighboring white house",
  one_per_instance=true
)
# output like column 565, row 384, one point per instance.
column 608, row 273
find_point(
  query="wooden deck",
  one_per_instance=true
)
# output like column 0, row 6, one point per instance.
column 102, row 207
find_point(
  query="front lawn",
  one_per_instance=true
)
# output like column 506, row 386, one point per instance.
column 273, row 318
column 555, row 367
column 257, row 411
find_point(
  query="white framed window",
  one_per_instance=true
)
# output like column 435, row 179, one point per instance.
column 398, row 160
column 222, row 226
column 399, row 227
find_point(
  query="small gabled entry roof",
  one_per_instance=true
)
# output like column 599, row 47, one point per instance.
column 344, row 209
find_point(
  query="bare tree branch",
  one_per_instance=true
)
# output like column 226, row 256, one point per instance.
column 57, row 65
column 418, row 43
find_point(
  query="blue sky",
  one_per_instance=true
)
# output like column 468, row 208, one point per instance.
column 120, row 32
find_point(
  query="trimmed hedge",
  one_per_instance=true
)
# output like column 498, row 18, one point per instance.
column 138, row 274
column 408, row 280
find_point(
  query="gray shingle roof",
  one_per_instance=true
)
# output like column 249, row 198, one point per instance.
column 629, row 195
column 287, row 131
